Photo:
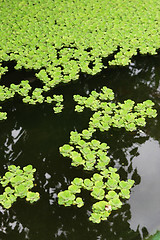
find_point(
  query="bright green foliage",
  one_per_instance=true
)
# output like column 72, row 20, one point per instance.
column 92, row 154
column 18, row 183
column 98, row 193
column 38, row 98
column 60, row 38
column 66, row 150
column 3, row 115
column 32, row 197
column 77, row 182
column 74, row 189
column 58, row 99
column 100, row 212
column 108, row 114
column 88, row 184
column 101, row 186
column 79, row 202
column 66, row 198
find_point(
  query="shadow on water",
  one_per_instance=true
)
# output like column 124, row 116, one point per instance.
column 33, row 134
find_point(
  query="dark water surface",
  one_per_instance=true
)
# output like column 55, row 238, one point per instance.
column 33, row 134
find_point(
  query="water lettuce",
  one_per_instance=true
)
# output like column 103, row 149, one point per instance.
column 17, row 183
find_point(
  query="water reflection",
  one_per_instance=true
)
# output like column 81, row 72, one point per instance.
column 146, row 196
column 34, row 134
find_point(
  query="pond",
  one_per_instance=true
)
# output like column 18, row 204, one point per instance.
column 33, row 135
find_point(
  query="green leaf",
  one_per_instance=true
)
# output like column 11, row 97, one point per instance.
column 8, row 175
column 97, row 177
column 95, row 218
column 2, row 198
column 126, row 185
column 79, row 202
column 12, row 198
column 115, row 203
column 99, row 184
column 105, row 173
column 125, row 193
column 32, row 197
column 79, row 108
column 17, row 180
column 95, row 144
column 21, row 191
column 115, row 176
column 77, row 182
column 13, row 168
column 111, row 195
column 112, row 169
column 88, row 184
column 29, row 169
column 98, row 193
column 74, row 189
column 66, row 198
column 8, row 190
column 74, row 137
column 99, row 207
column 7, row 203
column 111, row 184
column 77, row 160
column 66, row 150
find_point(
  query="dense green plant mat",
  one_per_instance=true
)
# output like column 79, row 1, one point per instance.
column 59, row 39
column 105, row 186
column 18, row 183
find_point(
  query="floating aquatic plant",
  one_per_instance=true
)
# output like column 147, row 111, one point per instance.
column 60, row 39
column 17, row 183
column 3, row 115
column 106, row 186
column 108, row 114
column 89, row 154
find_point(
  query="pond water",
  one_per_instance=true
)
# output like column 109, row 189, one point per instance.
column 33, row 134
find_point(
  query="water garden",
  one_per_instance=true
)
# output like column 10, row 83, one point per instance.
column 79, row 118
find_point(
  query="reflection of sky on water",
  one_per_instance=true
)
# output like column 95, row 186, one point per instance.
column 16, row 135
column 145, row 197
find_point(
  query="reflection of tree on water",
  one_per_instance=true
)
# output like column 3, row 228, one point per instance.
column 32, row 140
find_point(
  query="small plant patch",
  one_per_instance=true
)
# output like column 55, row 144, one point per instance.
column 17, row 183
column 105, row 187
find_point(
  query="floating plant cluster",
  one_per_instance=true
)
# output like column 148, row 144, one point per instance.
column 105, row 186
column 60, row 39
column 23, row 90
column 90, row 155
column 17, row 183
column 108, row 114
